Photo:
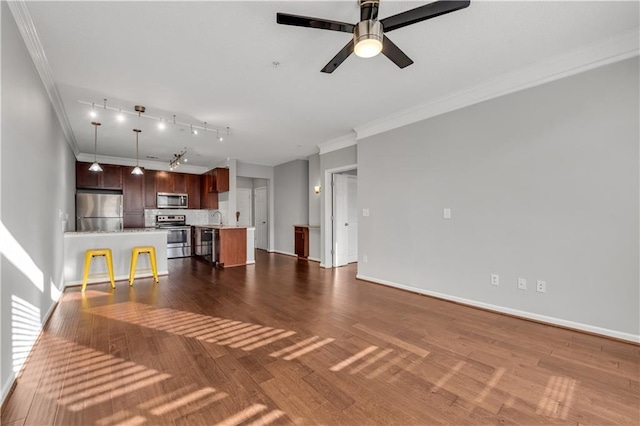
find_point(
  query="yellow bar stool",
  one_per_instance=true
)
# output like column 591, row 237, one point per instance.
column 151, row 250
column 90, row 254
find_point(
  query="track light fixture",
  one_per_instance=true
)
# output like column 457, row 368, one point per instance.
column 138, row 110
column 177, row 158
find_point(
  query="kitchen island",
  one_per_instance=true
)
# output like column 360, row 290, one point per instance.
column 226, row 245
column 121, row 243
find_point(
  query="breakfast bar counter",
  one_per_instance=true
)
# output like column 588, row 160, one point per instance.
column 121, row 243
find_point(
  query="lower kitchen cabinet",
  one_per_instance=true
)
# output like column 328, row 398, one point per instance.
column 301, row 241
column 231, row 246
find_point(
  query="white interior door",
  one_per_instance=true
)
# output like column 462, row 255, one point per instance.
column 340, row 220
column 243, row 205
column 261, row 218
column 352, row 213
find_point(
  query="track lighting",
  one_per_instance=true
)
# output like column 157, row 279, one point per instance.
column 95, row 167
column 177, row 158
column 138, row 109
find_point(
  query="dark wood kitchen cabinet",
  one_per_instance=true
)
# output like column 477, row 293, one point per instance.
column 217, row 180
column 193, row 190
column 230, row 246
column 109, row 178
column 301, row 241
column 179, row 183
column 150, row 189
column 208, row 200
column 133, row 195
column 164, row 181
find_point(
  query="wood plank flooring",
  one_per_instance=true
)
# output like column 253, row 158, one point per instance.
column 286, row 342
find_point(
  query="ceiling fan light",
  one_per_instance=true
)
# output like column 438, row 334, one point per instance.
column 367, row 38
column 368, row 48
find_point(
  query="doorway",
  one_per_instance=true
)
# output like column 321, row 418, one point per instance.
column 261, row 218
column 345, row 218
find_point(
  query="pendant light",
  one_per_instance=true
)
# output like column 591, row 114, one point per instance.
column 95, row 167
column 137, row 170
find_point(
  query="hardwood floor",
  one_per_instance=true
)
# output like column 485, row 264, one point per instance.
column 286, row 342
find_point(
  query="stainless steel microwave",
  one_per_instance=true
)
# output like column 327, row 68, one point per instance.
column 167, row 200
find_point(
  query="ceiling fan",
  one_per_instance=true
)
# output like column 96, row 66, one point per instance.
column 369, row 37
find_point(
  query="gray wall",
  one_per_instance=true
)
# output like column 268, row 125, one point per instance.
column 331, row 160
column 244, row 182
column 291, row 183
column 37, row 181
column 314, row 180
column 543, row 184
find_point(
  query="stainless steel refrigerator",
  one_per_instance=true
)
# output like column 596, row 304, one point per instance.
column 98, row 212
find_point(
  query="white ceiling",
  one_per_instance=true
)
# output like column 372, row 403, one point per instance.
column 213, row 62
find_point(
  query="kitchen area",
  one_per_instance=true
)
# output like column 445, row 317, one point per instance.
column 180, row 214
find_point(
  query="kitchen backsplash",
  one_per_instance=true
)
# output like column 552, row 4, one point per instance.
column 193, row 216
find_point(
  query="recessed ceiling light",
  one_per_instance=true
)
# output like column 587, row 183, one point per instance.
column 161, row 125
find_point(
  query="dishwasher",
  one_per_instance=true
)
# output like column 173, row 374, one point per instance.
column 205, row 247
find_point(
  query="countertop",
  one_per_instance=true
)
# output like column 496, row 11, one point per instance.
column 121, row 231
column 218, row 226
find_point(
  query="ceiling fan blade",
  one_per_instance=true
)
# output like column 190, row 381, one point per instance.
column 394, row 53
column 321, row 24
column 339, row 58
column 421, row 13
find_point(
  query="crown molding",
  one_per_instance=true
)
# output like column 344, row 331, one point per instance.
column 617, row 48
column 338, row 143
column 145, row 164
column 22, row 16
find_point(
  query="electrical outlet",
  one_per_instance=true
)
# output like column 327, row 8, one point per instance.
column 495, row 279
column 541, row 286
column 522, row 283
column 365, row 259
column 365, row 212
column 446, row 213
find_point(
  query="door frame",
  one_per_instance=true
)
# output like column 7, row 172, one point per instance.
column 326, row 237
column 266, row 190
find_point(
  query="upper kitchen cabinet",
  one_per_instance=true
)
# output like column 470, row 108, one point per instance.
column 161, row 181
column 193, row 190
column 164, row 182
column 180, row 184
column 109, row 178
column 217, row 180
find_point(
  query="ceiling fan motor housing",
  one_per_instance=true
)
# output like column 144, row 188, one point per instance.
column 367, row 38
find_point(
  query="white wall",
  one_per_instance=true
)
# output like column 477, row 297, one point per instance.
column 543, row 184
column 32, row 194
column 291, row 183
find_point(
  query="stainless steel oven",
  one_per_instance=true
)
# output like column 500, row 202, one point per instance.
column 178, row 235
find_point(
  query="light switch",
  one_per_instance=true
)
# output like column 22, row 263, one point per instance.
column 447, row 213
column 365, row 212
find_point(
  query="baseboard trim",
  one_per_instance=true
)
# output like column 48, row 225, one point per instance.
column 313, row 259
column 576, row 326
column 285, row 253
column 8, row 387
column 116, row 278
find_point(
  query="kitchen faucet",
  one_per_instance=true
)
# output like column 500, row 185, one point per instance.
column 214, row 215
